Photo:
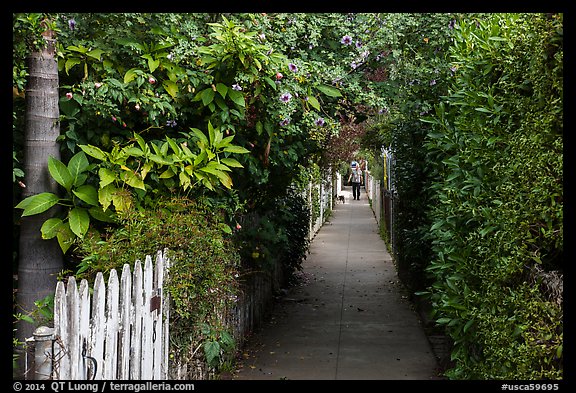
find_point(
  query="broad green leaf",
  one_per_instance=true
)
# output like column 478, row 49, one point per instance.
column 133, row 180
column 236, row 149
column 211, row 133
column 71, row 62
column 60, row 173
column 211, row 351
column 231, row 162
column 105, row 195
column 200, row 136
column 314, row 102
column 77, row 165
column 329, row 90
column 130, row 75
column 168, row 173
column 237, row 97
column 153, row 64
column 207, row 96
column 101, row 215
column 122, row 200
column 79, row 221
column 175, row 148
column 134, row 151
column 50, row 228
column 171, row 87
column 226, row 228
column 38, row 203
column 88, row 194
column 65, row 237
column 270, row 82
column 95, row 54
column 94, row 151
column 222, row 89
column 107, row 176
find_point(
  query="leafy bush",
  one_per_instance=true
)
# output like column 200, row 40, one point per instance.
column 276, row 234
column 203, row 276
column 496, row 158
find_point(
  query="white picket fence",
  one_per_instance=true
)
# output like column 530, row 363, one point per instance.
column 121, row 332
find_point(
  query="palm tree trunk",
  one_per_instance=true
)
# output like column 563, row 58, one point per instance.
column 39, row 261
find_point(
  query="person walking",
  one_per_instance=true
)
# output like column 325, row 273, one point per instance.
column 356, row 178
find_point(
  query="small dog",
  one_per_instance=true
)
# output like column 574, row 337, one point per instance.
column 341, row 198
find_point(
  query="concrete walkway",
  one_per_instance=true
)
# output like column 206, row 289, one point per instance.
column 349, row 319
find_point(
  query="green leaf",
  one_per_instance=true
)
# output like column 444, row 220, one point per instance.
column 38, row 203
column 329, row 90
column 211, row 351
column 60, row 173
column 167, row 174
column 107, row 176
column 50, row 228
column 270, row 82
column 94, row 151
column 237, row 97
column 222, row 89
column 65, row 237
column 170, row 87
column 76, row 166
column 71, row 62
column 79, row 221
column 201, row 136
column 95, row 54
column 236, row 149
column 105, row 195
column 133, row 180
column 207, row 96
column 105, row 216
column 314, row 102
column 130, row 75
column 231, row 162
column 88, row 194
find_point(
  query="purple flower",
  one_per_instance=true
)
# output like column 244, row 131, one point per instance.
column 358, row 44
column 346, row 40
column 71, row 24
column 319, row 122
column 293, row 67
column 452, row 24
column 171, row 123
column 285, row 122
column 285, row 97
column 432, row 82
column 236, row 86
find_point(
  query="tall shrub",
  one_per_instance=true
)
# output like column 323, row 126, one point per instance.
column 496, row 212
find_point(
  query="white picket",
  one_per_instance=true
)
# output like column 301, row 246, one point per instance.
column 84, row 329
column 73, row 300
column 124, row 338
column 114, row 334
column 61, row 358
column 111, row 340
column 97, row 325
column 147, row 349
column 136, row 316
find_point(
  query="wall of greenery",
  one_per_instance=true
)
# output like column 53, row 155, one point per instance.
column 496, row 206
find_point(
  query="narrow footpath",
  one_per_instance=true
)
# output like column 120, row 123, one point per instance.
column 348, row 319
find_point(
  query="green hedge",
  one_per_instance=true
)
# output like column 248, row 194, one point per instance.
column 496, row 150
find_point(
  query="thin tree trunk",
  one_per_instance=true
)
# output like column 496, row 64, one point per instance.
column 39, row 260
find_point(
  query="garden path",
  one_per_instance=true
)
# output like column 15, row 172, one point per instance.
column 348, row 319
